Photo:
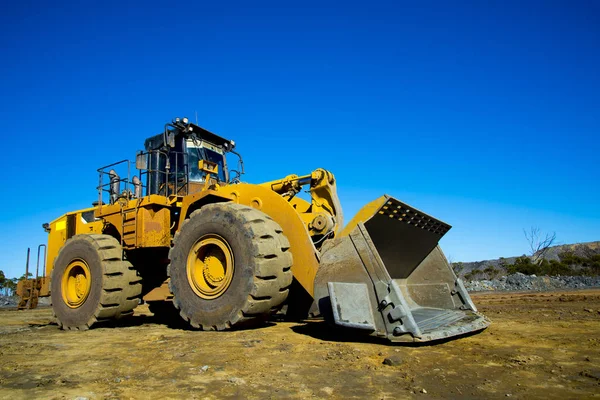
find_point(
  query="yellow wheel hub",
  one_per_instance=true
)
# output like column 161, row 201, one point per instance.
column 76, row 283
column 210, row 266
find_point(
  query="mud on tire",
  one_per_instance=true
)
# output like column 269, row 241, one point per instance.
column 115, row 287
column 261, row 273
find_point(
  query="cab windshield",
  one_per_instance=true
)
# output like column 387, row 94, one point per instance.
column 197, row 153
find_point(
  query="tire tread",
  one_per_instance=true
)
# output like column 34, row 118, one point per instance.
column 272, row 276
column 121, row 287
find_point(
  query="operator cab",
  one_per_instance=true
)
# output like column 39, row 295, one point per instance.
column 197, row 150
column 174, row 159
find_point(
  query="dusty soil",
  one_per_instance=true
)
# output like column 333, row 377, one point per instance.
column 540, row 345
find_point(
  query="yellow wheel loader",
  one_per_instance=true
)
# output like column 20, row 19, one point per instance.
column 185, row 235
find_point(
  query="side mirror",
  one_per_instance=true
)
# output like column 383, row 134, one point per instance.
column 141, row 161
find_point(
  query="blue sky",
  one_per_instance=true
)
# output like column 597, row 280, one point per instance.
column 483, row 114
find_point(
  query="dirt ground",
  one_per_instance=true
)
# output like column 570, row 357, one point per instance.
column 540, row 345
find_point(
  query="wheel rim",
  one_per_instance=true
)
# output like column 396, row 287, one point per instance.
column 210, row 266
column 76, row 283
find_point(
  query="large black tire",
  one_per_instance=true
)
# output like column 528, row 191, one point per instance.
column 262, row 266
column 115, row 287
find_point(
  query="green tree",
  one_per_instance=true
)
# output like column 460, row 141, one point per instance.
column 23, row 277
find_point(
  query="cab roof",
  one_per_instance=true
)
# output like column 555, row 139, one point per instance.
column 156, row 142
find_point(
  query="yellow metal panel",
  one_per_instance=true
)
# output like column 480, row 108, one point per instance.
column 204, row 196
column 363, row 214
column 109, row 209
column 58, row 234
column 56, row 238
column 160, row 293
column 82, row 227
column 300, row 205
column 153, row 227
column 147, row 220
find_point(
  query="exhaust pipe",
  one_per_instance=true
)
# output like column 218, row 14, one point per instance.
column 385, row 275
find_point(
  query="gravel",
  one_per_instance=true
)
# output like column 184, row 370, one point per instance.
column 521, row 281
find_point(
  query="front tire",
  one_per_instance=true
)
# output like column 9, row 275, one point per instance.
column 230, row 263
column 92, row 283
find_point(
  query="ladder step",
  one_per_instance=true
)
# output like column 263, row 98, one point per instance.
column 129, row 227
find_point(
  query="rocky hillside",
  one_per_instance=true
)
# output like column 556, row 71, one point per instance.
column 579, row 249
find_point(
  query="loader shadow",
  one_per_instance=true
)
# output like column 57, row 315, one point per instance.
column 127, row 322
column 173, row 322
column 321, row 330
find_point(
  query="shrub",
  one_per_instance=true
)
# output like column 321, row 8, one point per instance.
column 554, row 267
column 523, row 265
column 491, row 272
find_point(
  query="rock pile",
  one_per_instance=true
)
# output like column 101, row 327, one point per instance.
column 521, row 281
column 8, row 301
column 12, row 301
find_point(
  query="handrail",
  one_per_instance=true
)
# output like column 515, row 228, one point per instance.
column 173, row 179
column 101, row 186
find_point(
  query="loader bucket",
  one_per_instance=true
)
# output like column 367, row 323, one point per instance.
column 386, row 276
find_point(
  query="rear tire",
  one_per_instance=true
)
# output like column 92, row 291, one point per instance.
column 251, row 279
column 92, row 283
